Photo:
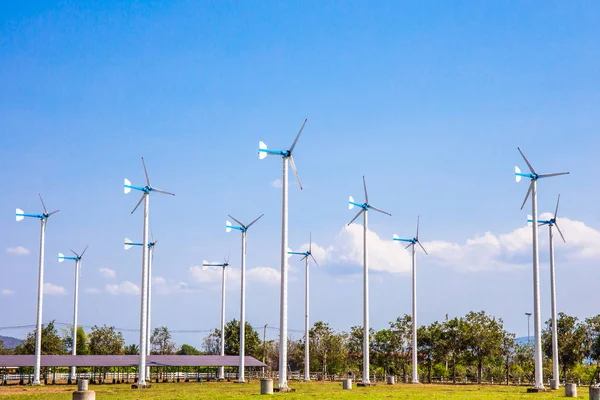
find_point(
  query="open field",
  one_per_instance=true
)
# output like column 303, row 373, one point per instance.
column 319, row 390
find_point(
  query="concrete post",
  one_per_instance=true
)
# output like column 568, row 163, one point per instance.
column 571, row 390
column 595, row 393
column 266, row 386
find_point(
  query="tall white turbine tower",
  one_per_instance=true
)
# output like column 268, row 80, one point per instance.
column 286, row 156
column 77, row 259
column 146, row 190
column 128, row 244
column 555, row 383
column 411, row 243
column 223, row 266
column 306, row 255
column 20, row 215
column 242, row 228
column 364, row 209
column 537, row 322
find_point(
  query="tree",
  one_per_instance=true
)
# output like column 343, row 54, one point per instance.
column 401, row 334
column 188, row 350
column 132, row 349
column 483, row 339
column 82, row 345
column 232, row 340
column 429, row 342
column 571, row 341
column 211, row 344
column 454, row 342
column 592, row 327
column 508, row 350
column 162, row 341
column 328, row 349
column 52, row 343
column 105, row 340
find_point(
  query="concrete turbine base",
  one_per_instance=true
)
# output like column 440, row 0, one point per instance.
column 361, row 384
column 138, row 386
column 284, row 390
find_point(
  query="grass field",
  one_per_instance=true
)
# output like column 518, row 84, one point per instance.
column 214, row 390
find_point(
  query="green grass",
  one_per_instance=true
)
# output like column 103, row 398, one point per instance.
column 214, row 390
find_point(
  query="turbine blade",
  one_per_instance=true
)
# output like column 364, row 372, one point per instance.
column 43, row 205
column 418, row 219
column 252, row 223
column 139, row 202
column 381, row 211
column 527, row 196
column 407, row 246
column 53, row 212
column 357, row 215
column 239, row 223
column 556, row 211
column 84, row 250
column 559, row 231
column 295, row 171
column 298, row 136
column 526, row 161
column 366, row 194
column 315, row 261
column 309, row 242
column 303, row 258
column 551, row 175
column 146, row 173
column 162, row 191
column 76, row 255
column 418, row 241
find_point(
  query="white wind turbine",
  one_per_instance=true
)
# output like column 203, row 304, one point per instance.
column 411, row 243
column 364, row 209
column 242, row 228
column 306, row 255
column 537, row 322
column 146, row 190
column 555, row 382
column 77, row 259
column 20, row 215
column 127, row 245
column 286, row 156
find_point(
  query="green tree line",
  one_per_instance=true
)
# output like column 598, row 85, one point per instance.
column 475, row 347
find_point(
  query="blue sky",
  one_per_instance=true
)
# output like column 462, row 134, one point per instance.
column 428, row 100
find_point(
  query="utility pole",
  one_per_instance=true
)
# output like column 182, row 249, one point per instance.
column 528, row 324
column 264, row 348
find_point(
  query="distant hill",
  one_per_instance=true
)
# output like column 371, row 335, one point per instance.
column 10, row 342
column 524, row 340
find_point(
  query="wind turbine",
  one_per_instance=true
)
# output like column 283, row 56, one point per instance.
column 553, row 223
column 128, row 244
column 146, row 190
column 364, row 210
column 223, row 265
column 20, row 215
column 537, row 330
column 306, row 255
column 77, row 259
column 286, row 155
column 243, row 228
column 411, row 243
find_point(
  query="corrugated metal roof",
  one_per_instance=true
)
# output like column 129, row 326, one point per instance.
column 127, row 361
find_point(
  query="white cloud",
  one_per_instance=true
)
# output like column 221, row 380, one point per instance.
column 384, row 255
column 163, row 287
column 266, row 275
column 108, row 273
column 7, row 292
column 487, row 252
column 18, row 251
column 93, row 290
column 54, row 290
column 202, row 274
column 277, row 183
column 127, row 287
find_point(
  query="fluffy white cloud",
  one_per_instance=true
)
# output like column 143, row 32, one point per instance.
column 108, row 273
column 163, row 287
column 384, row 255
column 485, row 252
column 127, row 287
column 18, row 251
column 277, row 183
column 7, row 292
column 266, row 275
column 54, row 290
